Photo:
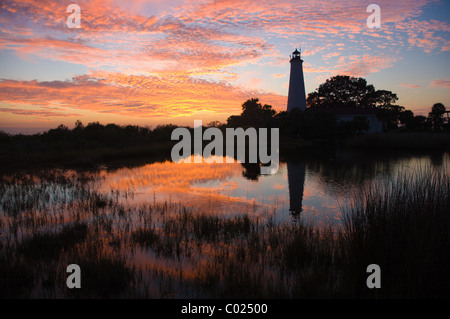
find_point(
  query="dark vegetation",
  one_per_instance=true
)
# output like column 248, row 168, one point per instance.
column 85, row 146
column 96, row 144
column 319, row 121
column 433, row 142
column 402, row 130
column 402, row 222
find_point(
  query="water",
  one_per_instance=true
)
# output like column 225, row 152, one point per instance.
column 316, row 188
column 178, row 228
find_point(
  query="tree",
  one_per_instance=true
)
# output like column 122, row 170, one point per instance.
column 215, row 124
column 390, row 115
column 79, row 125
column 436, row 116
column 417, row 124
column 346, row 91
column 343, row 91
column 406, row 117
column 4, row 137
column 254, row 114
column 309, row 123
column 356, row 126
column 384, row 98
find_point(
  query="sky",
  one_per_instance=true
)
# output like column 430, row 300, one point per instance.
column 158, row 62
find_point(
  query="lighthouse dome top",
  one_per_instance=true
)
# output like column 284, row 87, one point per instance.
column 295, row 54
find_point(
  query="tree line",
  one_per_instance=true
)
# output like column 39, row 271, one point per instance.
column 85, row 145
column 340, row 92
column 93, row 143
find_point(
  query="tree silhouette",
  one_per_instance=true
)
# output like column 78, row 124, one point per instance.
column 346, row 91
column 384, row 98
column 309, row 123
column 343, row 91
column 436, row 116
column 254, row 114
column 391, row 116
column 79, row 125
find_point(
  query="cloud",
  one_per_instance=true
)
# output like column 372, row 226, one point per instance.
column 444, row 83
column 409, row 85
column 331, row 55
column 42, row 113
column 135, row 95
column 426, row 34
column 163, row 59
column 200, row 36
column 361, row 66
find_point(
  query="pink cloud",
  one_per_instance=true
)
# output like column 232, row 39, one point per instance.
column 331, row 55
column 444, row 83
column 409, row 85
column 200, row 37
column 423, row 34
column 152, row 54
column 362, row 66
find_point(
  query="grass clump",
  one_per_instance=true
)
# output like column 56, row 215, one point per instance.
column 50, row 245
column 403, row 225
column 103, row 277
column 17, row 278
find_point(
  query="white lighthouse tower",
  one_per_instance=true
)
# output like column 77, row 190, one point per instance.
column 296, row 96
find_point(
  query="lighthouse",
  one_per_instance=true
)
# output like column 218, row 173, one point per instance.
column 296, row 172
column 296, row 96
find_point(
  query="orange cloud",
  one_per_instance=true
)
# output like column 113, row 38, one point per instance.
column 181, row 59
column 135, row 95
column 39, row 113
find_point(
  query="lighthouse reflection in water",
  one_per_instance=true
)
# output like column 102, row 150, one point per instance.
column 305, row 188
column 296, row 181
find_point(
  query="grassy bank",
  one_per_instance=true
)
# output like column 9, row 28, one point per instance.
column 403, row 226
column 84, row 147
column 165, row 250
column 112, row 145
column 424, row 142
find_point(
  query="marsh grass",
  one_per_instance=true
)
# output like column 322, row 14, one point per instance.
column 17, row 278
column 403, row 225
column 50, row 245
column 103, row 277
column 166, row 250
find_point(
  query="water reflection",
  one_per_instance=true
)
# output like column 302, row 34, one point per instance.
column 312, row 186
column 139, row 213
column 296, row 172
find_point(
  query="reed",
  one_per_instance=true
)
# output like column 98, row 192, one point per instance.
column 401, row 224
column 166, row 250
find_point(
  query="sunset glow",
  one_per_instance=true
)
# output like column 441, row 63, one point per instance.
column 158, row 62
